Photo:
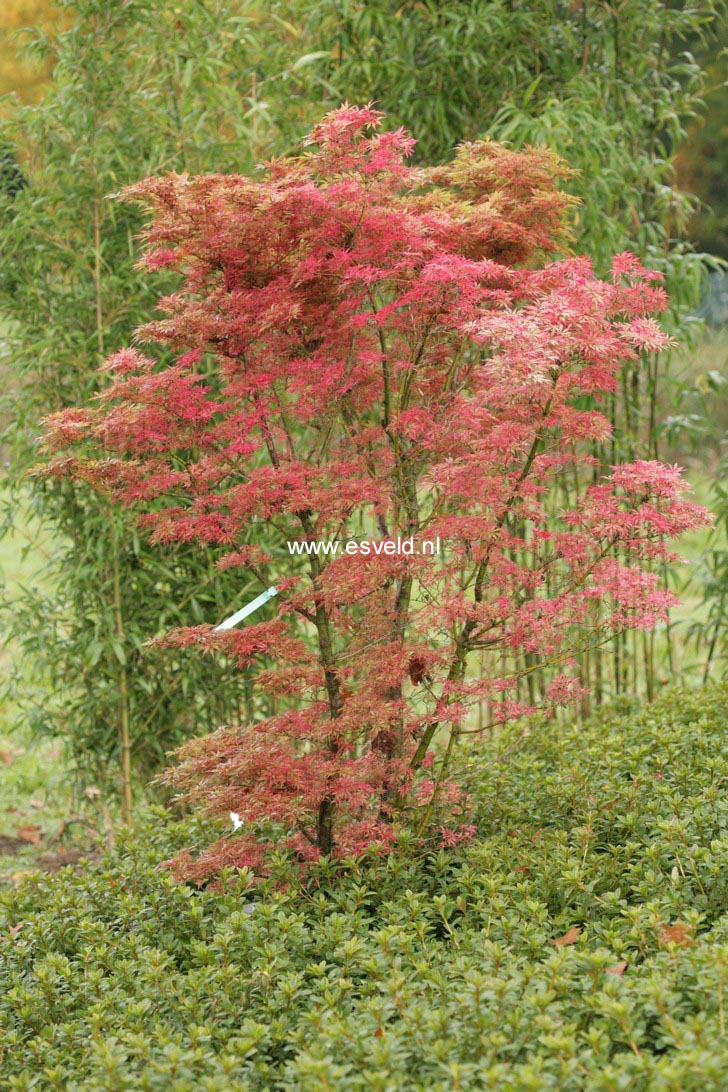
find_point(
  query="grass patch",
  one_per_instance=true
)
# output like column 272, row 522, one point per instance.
column 36, row 802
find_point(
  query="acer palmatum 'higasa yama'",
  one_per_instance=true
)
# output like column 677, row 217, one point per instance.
column 360, row 347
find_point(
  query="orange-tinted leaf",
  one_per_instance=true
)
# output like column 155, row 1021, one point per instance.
column 18, row 877
column 9, row 754
column 31, row 834
column 619, row 968
column 570, row 937
column 678, row 933
column 418, row 670
column 12, row 932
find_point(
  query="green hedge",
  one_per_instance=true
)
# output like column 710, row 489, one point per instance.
column 434, row 972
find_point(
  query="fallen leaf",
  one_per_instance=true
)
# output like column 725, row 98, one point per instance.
column 13, row 932
column 31, row 834
column 678, row 933
column 619, row 968
column 570, row 937
column 9, row 754
column 18, row 877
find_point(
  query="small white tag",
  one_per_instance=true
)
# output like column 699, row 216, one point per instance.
column 245, row 611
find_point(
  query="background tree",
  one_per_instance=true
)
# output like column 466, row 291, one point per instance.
column 701, row 159
column 20, row 73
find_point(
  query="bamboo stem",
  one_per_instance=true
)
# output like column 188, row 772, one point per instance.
column 123, row 702
column 124, row 733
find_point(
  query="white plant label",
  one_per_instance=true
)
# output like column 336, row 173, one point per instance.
column 248, row 609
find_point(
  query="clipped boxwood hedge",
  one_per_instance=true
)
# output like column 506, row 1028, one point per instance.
column 580, row 941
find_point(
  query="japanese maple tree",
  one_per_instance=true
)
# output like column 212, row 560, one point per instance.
column 359, row 348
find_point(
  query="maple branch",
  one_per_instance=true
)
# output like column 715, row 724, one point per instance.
column 385, row 365
column 459, row 660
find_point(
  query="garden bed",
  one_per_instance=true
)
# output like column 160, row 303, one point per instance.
column 579, row 941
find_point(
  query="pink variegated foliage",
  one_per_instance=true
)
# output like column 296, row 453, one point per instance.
column 361, row 348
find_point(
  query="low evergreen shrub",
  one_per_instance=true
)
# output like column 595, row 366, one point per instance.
column 580, row 941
